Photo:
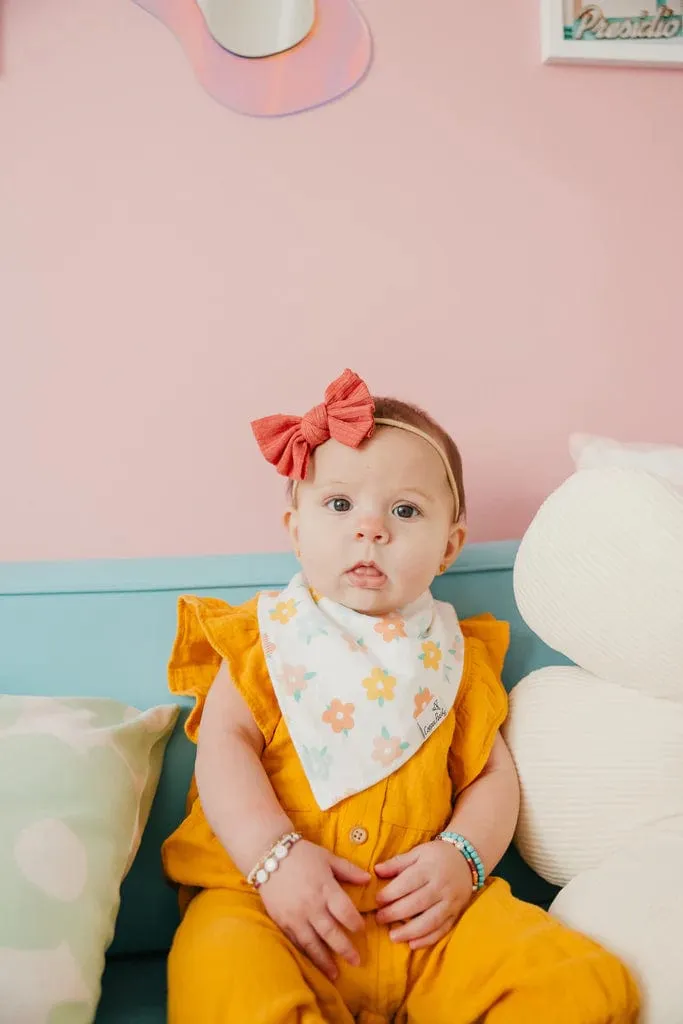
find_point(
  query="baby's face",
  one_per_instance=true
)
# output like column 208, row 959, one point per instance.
column 372, row 525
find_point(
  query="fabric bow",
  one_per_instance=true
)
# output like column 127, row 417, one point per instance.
column 347, row 415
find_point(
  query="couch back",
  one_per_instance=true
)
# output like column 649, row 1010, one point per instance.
column 106, row 628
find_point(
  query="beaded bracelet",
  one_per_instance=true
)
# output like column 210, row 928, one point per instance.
column 473, row 859
column 268, row 864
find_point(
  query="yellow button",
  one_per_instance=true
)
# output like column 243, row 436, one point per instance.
column 358, row 835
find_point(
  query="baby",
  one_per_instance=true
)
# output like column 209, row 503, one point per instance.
column 353, row 794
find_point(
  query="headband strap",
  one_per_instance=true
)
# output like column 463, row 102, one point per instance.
column 437, row 448
column 347, row 415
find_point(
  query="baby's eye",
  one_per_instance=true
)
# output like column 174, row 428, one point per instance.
column 338, row 505
column 405, row 511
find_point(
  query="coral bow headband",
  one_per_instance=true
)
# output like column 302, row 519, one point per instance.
column 347, row 415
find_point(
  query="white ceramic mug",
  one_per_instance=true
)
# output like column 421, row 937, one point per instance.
column 258, row 28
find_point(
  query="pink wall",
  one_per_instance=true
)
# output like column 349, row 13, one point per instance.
column 495, row 239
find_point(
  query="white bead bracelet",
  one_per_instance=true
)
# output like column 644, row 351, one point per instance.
column 259, row 875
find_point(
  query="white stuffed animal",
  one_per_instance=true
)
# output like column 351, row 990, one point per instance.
column 599, row 747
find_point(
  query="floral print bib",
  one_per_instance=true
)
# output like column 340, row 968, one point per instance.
column 360, row 694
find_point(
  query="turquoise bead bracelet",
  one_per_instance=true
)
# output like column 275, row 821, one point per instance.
column 473, row 859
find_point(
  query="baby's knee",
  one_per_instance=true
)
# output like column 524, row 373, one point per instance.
column 214, row 968
column 569, row 979
column 610, row 986
column 592, row 986
column 205, row 946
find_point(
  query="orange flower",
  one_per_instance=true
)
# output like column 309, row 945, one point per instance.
column 431, row 655
column 422, row 699
column 339, row 716
column 391, row 627
column 380, row 685
column 314, row 594
column 388, row 748
column 284, row 611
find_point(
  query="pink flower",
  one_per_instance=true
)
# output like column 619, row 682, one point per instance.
column 294, row 678
column 353, row 645
column 388, row 748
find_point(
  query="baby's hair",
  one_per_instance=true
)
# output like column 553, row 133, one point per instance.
column 412, row 416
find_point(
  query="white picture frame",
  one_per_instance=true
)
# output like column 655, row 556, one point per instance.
column 628, row 33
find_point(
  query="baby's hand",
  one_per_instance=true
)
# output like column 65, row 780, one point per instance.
column 307, row 902
column 431, row 887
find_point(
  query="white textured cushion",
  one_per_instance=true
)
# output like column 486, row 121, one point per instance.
column 633, row 905
column 599, row 577
column 597, row 763
column 664, row 460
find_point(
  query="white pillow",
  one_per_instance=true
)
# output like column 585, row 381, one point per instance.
column 633, row 905
column 77, row 779
column 664, row 460
column 599, row 577
column 599, row 766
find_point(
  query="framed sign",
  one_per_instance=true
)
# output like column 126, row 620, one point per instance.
column 629, row 32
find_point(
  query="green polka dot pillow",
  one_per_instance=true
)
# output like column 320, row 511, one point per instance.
column 77, row 779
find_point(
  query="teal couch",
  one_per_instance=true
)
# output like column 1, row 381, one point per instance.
column 106, row 628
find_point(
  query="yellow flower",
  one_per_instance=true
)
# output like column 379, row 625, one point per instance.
column 284, row 611
column 380, row 685
column 431, row 655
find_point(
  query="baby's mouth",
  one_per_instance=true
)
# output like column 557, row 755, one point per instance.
column 366, row 576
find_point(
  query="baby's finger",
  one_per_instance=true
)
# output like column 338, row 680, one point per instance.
column 393, row 867
column 334, row 936
column 408, row 881
column 402, row 910
column 309, row 941
column 341, row 907
column 424, row 924
column 345, row 871
column 433, row 937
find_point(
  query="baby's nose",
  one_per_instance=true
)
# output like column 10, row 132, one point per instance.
column 372, row 528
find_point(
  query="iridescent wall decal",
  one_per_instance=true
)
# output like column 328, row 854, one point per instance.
column 332, row 57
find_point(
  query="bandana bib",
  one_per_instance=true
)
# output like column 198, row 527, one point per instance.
column 360, row 694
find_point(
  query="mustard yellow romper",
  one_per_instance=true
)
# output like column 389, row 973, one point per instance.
column 505, row 962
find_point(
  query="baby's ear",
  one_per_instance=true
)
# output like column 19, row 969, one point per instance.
column 291, row 523
column 456, row 540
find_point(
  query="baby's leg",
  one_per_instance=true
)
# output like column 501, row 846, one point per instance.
column 508, row 962
column 230, row 962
